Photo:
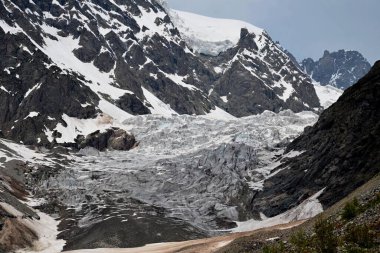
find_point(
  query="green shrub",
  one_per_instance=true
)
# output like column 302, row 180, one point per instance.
column 274, row 248
column 301, row 242
column 354, row 249
column 325, row 241
column 359, row 235
column 373, row 202
column 351, row 209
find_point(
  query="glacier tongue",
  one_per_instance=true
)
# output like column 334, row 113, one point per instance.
column 197, row 169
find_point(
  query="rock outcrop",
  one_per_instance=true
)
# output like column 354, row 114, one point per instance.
column 114, row 138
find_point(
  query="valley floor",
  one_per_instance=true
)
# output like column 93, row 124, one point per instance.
column 208, row 245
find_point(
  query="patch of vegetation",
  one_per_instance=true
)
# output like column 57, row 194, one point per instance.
column 354, row 249
column 325, row 239
column 373, row 202
column 360, row 235
column 275, row 248
column 351, row 209
column 302, row 242
column 334, row 235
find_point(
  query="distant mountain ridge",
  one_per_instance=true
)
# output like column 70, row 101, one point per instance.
column 340, row 69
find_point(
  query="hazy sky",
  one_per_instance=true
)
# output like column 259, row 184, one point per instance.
column 305, row 27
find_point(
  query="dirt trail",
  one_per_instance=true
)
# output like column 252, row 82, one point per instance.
column 208, row 245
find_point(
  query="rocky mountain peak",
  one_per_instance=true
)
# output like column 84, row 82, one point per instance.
column 247, row 40
column 340, row 69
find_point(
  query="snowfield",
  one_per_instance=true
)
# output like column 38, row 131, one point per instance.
column 210, row 35
column 327, row 94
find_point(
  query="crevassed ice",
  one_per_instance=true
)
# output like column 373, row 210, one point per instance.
column 194, row 167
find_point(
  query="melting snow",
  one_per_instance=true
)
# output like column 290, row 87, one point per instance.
column 47, row 231
column 307, row 209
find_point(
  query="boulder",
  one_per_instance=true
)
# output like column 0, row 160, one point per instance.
column 114, row 138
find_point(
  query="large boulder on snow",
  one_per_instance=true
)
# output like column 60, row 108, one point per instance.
column 114, row 138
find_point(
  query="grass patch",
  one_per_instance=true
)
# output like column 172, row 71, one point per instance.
column 351, row 209
column 275, row 248
column 360, row 235
column 301, row 242
column 325, row 239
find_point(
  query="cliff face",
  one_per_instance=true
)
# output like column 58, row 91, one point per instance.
column 338, row 154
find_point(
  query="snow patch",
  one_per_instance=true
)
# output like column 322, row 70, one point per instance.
column 307, row 209
column 32, row 115
column 219, row 114
column 159, row 107
column 224, row 98
column 47, row 231
column 9, row 29
column 327, row 94
column 210, row 35
column 84, row 127
column 35, row 87
column 4, row 89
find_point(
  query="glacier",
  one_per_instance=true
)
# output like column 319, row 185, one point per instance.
column 199, row 170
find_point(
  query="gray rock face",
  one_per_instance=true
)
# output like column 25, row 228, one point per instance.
column 340, row 69
column 257, row 75
column 28, row 86
column 339, row 153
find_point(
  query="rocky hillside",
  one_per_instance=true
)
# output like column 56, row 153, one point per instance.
column 340, row 69
column 337, row 155
column 70, row 67
column 254, row 73
column 351, row 225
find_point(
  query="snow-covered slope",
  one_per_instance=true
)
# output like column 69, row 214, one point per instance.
column 327, row 94
column 210, row 35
